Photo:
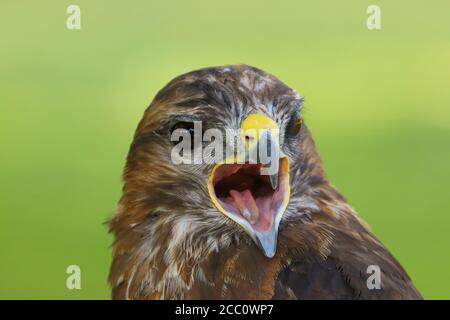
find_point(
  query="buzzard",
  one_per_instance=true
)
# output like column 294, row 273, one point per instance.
column 207, row 230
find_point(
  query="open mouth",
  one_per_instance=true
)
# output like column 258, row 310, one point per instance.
column 248, row 195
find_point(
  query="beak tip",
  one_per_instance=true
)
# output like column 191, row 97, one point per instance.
column 268, row 242
column 274, row 181
column 270, row 254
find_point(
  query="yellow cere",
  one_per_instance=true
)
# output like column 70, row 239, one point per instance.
column 257, row 122
column 252, row 128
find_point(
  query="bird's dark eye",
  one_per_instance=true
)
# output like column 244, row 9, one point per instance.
column 183, row 125
column 294, row 125
column 186, row 125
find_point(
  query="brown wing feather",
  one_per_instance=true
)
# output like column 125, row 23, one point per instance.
column 312, row 281
column 343, row 273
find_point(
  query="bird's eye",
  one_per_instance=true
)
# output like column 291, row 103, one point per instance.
column 183, row 125
column 186, row 125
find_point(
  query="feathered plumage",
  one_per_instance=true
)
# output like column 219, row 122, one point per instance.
column 172, row 242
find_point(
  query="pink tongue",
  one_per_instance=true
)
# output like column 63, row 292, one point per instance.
column 246, row 204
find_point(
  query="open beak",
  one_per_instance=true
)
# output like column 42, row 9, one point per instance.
column 250, row 190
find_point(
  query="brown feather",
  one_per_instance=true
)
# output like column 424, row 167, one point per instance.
column 172, row 243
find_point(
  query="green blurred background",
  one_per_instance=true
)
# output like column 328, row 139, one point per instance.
column 378, row 103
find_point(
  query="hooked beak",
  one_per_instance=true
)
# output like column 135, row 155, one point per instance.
column 253, row 188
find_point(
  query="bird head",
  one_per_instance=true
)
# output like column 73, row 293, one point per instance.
column 181, row 175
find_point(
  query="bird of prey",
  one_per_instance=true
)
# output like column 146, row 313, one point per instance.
column 228, row 231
